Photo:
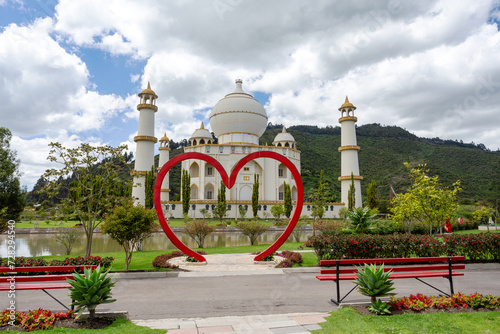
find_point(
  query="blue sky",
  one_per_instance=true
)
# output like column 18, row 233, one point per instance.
column 72, row 69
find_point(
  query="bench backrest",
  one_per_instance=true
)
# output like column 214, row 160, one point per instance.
column 45, row 268
column 407, row 260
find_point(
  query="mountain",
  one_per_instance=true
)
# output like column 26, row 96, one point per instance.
column 384, row 149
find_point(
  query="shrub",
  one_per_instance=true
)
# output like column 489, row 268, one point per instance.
column 161, row 260
column 330, row 226
column 67, row 236
column 37, row 319
column 198, row 230
column 291, row 258
column 252, row 230
column 90, row 290
column 193, row 259
column 421, row 302
column 374, row 282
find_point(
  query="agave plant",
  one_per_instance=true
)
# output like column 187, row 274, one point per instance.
column 380, row 308
column 373, row 282
column 90, row 290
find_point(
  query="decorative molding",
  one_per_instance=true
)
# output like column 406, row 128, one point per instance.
column 146, row 138
column 138, row 173
column 237, row 112
column 348, row 118
column 165, row 190
column 349, row 147
column 164, row 148
column 348, row 177
column 147, row 106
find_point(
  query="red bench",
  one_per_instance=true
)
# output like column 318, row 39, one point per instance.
column 39, row 282
column 419, row 267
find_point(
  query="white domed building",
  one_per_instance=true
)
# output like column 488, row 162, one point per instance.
column 237, row 121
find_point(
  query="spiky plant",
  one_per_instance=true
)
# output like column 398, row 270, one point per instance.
column 90, row 290
column 373, row 282
column 380, row 308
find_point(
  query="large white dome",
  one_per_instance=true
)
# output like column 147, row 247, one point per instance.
column 238, row 113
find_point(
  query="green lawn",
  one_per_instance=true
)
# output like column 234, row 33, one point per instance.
column 475, row 231
column 346, row 320
column 141, row 260
column 120, row 326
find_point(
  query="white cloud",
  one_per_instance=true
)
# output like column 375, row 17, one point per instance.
column 429, row 66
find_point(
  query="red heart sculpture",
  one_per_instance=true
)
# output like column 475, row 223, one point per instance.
column 229, row 182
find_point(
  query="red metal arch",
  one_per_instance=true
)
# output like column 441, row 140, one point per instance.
column 229, row 182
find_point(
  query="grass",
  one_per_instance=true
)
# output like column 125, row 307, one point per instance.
column 475, row 231
column 119, row 326
column 43, row 224
column 141, row 260
column 346, row 320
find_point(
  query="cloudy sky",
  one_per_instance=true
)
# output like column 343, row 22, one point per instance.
column 71, row 69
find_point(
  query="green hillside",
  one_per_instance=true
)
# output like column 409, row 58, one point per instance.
column 384, row 149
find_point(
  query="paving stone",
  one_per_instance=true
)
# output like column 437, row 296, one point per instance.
column 289, row 330
column 215, row 329
column 183, row 331
column 310, row 319
column 312, row 327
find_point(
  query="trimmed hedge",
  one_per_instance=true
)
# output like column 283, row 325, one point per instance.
column 69, row 261
column 483, row 246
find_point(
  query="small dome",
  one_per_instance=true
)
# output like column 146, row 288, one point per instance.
column 148, row 91
column 347, row 104
column 201, row 133
column 283, row 137
column 164, row 138
column 238, row 112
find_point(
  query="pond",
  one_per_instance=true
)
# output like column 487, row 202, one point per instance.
column 45, row 244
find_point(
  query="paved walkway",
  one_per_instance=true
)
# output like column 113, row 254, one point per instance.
column 261, row 324
column 235, row 265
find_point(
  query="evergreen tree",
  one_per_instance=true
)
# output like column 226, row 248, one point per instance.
column 221, row 201
column 288, row 199
column 149, row 188
column 255, row 195
column 371, row 194
column 185, row 191
column 12, row 199
column 351, row 195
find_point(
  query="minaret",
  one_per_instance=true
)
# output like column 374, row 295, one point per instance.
column 164, row 157
column 349, row 153
column 145, row 139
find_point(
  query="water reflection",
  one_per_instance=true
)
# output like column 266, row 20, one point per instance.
column 45, row 244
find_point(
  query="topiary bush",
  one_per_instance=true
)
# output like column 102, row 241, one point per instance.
column 161, row 260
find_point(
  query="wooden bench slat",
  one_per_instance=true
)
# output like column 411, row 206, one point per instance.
column 39, row 278
column 353, row 277
column 392, row 260
column 5, row 287
column 45, row 268
column 396, row 269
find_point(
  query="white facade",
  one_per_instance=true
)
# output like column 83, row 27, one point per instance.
column 238, row 121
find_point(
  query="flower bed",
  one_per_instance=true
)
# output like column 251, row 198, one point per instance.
column 484, row 246
column 421, row 302
column 69, row 261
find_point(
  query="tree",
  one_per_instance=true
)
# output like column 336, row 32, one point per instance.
column 288, row 200
column 185, row 191
column 318, row 196
column 252, row 230
column 277, row 210
column 242, row 212
column 371, row 194
column 426, row 201
column 351, row 195
column 255, row 195
column 221, row 201
column 96, row 188
column 12, row 198
column 129, row 225
column 361, row 219
column 68, row 236
column 198, row 230
column 149, row 188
